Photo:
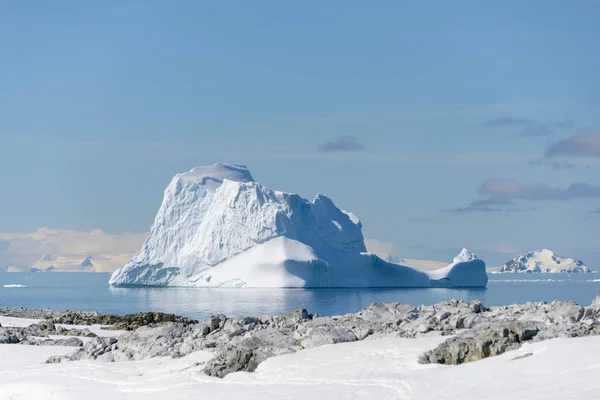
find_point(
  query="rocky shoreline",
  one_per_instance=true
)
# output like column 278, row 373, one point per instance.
column 126, row 322
column 242, row 343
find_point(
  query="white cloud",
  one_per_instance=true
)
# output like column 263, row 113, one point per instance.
column 66, row 249
column 388, row 251
column 380, row 247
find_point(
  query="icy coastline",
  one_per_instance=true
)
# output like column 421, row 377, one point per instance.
column 386, row 351
column 467, row 332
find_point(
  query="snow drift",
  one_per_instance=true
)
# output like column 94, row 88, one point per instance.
column 217, row 227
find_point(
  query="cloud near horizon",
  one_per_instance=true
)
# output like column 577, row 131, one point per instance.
column 380, row 247
column 511, row 189
column 579, row 145
column 489, row 205
column 499, row 195
column 67, row 249
column 555, row 165
column 343, row 143
column 528, row 127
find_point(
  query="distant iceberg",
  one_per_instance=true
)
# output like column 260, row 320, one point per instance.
column 545, row 261
column 217, row 227
column 14, row 285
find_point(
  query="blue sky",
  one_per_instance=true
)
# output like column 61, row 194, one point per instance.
column 440, row 125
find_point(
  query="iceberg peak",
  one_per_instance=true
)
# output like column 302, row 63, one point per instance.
column 212, row 176
column 465, row 255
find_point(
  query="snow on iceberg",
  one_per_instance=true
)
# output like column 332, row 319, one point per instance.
column 217, row 227
column 466, row 270
column 544, row 260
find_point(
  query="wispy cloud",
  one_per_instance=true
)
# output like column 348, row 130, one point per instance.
column 505, row 121
column 595, row 212
column 380, row 247
column 528, row 127
column 499, row 195
column 566, row 124
column 582, row 144
column 555, row 165
column 579, row 150
column 507, row 189
column 394, row 114
column 343, row 143
column 489, row 205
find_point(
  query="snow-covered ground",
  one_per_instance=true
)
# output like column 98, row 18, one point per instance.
column 382, row 369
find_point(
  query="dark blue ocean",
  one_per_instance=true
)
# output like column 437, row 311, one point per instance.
column 90, row 291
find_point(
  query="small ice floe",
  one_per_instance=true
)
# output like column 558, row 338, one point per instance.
column 15, row 285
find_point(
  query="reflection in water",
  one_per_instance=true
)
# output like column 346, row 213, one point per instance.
column 201, row 302
column 81, row 291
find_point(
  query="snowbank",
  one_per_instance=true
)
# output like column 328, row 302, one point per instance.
column 216, row 227
column 382, row 369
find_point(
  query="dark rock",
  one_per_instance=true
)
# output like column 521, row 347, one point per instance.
column 296, row 317
column 236, row 360
column 487, row 341
column 8, row 337
column 213, row 323
column 117, row 322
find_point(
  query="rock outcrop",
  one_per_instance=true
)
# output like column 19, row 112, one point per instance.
column 110, row 321
column 38, row 335
column 242, row 343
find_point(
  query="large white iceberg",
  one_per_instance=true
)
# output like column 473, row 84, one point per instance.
column 217, row 227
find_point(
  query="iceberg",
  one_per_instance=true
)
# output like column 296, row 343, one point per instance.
column 217, row 227
column 545, row 261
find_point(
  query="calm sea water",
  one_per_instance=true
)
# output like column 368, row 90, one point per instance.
column 90, row 291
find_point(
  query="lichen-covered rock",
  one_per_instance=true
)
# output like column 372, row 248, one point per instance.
column 295, row 317
column 233, row 361
column 118, row 322
column 38, row 335
column 487, row 341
